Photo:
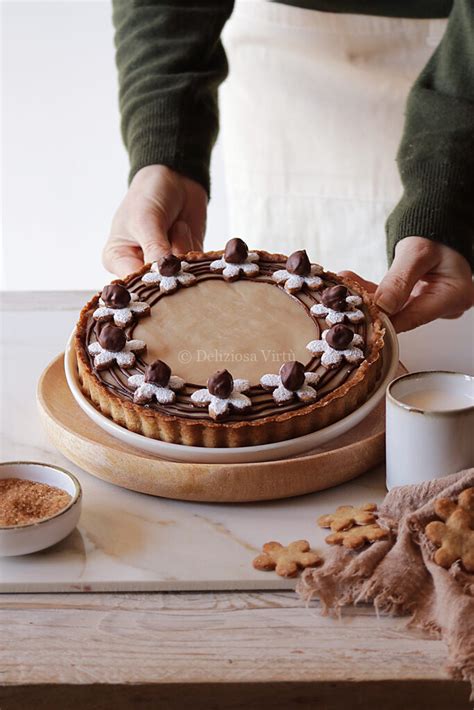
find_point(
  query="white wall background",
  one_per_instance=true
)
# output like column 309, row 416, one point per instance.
column 64, row 168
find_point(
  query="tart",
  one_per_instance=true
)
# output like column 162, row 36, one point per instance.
column 229, row 348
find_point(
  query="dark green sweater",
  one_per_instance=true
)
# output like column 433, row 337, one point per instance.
column 171, row 62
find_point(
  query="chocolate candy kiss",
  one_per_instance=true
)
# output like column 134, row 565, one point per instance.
column 236, row 251
column 292, row 375
column 115, row 296
column 298, row 263
column 112, row 338
column 220, row 384
column 335, row 297
column 169, row 265
column 339, row 337
column 158, row 373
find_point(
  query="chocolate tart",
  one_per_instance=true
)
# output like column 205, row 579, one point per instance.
column 222, row 316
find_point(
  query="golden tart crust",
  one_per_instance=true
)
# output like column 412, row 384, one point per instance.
column 203, row 431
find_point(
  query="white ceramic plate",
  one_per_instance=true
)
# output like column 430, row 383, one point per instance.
column 243, row 454
column 31, row 537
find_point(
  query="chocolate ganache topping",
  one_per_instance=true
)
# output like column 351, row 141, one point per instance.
column 292, row 375
column 169, row 265
column 298, row 263
column 339, row 336
column 115, row 296
column 158, row 373
column 111, row 338
column 236, row 251
column 220, row 384
column 335, row 297
column 115, row 378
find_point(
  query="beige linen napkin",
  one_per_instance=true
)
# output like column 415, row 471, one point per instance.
column 399, row 576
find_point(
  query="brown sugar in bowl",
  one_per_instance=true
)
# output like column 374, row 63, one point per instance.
column 35, row 517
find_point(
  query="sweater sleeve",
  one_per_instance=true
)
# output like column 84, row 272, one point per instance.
column 436, row 154
column 170, row 62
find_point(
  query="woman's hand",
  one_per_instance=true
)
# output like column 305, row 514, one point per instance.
column 427, row 280
column 161, row 211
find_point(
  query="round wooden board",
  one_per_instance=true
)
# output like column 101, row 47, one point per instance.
column 91, row 448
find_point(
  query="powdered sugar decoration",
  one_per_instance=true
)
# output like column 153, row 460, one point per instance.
column 147, row 391
column 104, row 358
column 306, row 393
column 232, row 271
column 168, row 284
column 122, row 316
column 295, row 282
column 353, row 314
column 219, row 407
column 332, row 357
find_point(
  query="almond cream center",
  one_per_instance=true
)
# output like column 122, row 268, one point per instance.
column 246, row 327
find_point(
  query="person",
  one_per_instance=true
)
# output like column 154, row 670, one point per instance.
column 286, row 169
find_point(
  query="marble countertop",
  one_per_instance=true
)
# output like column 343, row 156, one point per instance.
column 130, row 541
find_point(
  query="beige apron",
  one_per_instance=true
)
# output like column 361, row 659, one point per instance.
column 311, row 119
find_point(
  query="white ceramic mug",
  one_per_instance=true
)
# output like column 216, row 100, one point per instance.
column 430, row 426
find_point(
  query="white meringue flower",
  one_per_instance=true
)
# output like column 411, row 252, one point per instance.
column 124, row 358
column 148, row 391
column 122, row 316
column 218, row 407
column 233, row 271
column 332, row 357
column 168, row 284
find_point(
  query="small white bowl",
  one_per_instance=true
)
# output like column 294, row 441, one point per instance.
column 31, row 537
column 242, row 454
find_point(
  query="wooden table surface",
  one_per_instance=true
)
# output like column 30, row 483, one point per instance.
column 210, row 650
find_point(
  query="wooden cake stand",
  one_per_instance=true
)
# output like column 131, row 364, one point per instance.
column 99, row 453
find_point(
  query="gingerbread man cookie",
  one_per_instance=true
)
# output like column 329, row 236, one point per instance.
column 286, row 561
column 444, row 506
column 356, row 537
column 347, row 515
column 454, row 537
